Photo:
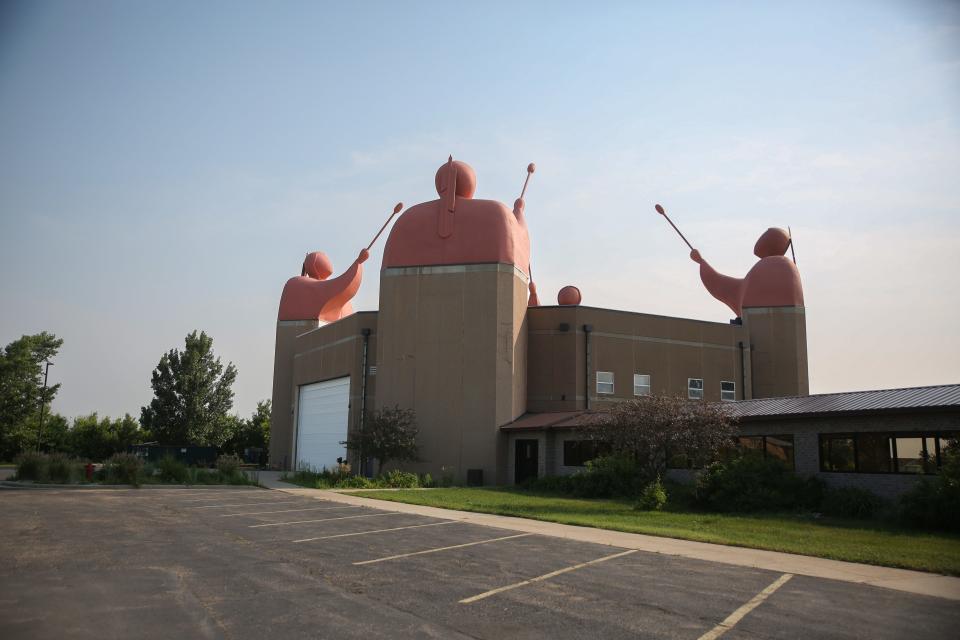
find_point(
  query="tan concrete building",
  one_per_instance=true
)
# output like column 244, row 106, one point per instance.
column 461, row 338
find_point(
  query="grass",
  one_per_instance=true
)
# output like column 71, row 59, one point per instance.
column 866, row 541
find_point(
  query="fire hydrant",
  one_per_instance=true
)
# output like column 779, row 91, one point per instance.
column 89, row 470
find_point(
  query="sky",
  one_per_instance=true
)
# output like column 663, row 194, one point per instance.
column 165, row 166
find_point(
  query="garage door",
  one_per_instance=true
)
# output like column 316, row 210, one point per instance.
column 323, row 410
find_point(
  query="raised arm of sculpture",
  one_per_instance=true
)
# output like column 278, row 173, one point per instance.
column 311, row 296
column 726, row 289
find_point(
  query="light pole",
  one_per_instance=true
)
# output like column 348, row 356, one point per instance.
column 43, row 398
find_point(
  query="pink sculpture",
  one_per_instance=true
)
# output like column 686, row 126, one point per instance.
column 310, row 296
column 773, row 282
column 569, row 295
column 458, row 229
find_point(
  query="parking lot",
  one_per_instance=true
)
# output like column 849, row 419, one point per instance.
column 254, row 563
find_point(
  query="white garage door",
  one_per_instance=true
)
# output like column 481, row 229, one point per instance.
column 322, row 423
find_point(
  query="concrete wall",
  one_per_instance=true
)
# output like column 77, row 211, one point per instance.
column 452, row 347
column 670, row 350
column 281, row 416
column 778, row 345
column 323, row 353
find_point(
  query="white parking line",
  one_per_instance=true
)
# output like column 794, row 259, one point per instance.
column 363, row 533
column 280, row 524
column 738, row 615
column 546, row 576
column 455, row 546
column 235, row 494
column 243, row 504
column 260, row 513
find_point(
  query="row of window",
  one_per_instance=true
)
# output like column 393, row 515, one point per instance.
column 641, row 386
column 883, row 452
column 851, row 453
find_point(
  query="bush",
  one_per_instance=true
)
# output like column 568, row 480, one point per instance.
column 851, row 502
column 426, row 480
column 31, row 466
column 172, row 470
column 228, row 466
column 124, row 468
column 653, row 497
column 356, row 482
column 752, row 482
column 397, row 479
column 608, row 477
column 60, row 468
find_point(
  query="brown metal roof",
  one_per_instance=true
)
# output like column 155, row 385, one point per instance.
column 945, row 396
column 551, row 420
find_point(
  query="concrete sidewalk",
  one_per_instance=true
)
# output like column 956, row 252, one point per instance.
column 900, row 579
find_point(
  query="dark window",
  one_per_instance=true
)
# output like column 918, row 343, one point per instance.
column 883, row 452
column 776, row 446
column 837, row 453
column 576, row 453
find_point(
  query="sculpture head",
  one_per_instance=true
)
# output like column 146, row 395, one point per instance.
column 569, row 295
column 317, row 265
column 458, row 173
column 773, row 242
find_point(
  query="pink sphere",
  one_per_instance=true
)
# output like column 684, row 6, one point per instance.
column 569, row 295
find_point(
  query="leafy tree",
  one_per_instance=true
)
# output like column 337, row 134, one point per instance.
column 97, row 438
column 653, row 429
column 192, row 395
column 389, row 434
column 253, row 432
column 21, row 390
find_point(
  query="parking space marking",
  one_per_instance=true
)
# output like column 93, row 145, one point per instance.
column 211, row 496
column 363, row 533
column 738, row 615
column 243, row 504
column 546, row 576
column 455, row 546
column 261, row 513
column 281, row 524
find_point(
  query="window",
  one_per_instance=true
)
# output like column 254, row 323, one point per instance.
column 641, row 384
column 728, row 391
column 576, row 453
column 779, row 447
column 883, row 452
column 605, row 382
column 695, row 388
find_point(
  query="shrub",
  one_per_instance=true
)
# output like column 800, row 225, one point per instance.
column 124, row 468
column 60, row 468
column 653, row 497
column 753, row 483
column 397, row 479
column 607, row 477
column 31, row 466
column 171, row 470
column 851, row 502
column 228, row 466
column 426, row 480
column 356, row 482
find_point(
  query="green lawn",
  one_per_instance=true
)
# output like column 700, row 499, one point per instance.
column 871, row 542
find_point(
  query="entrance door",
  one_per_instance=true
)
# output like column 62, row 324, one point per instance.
column 526, row 461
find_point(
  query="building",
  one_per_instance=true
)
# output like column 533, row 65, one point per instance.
column 461, row 338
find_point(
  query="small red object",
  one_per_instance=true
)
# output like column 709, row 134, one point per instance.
column 89, row 470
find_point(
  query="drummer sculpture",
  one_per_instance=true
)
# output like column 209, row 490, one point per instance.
column 310, row 296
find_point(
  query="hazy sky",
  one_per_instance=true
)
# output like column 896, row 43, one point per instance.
column 164, row 166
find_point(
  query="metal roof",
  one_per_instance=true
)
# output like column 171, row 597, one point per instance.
column 944, row 396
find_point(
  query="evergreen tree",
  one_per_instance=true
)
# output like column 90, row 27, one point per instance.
column 21, row 390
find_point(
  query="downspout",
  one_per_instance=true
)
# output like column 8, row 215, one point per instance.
column 743, row 373
column 587, row 328
column 363, row 390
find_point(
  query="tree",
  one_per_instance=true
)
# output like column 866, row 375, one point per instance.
column 192, row 395
column 653, row 429
column 95, row 438
column 21, row 390
column 388, row 434
column 253, row 432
